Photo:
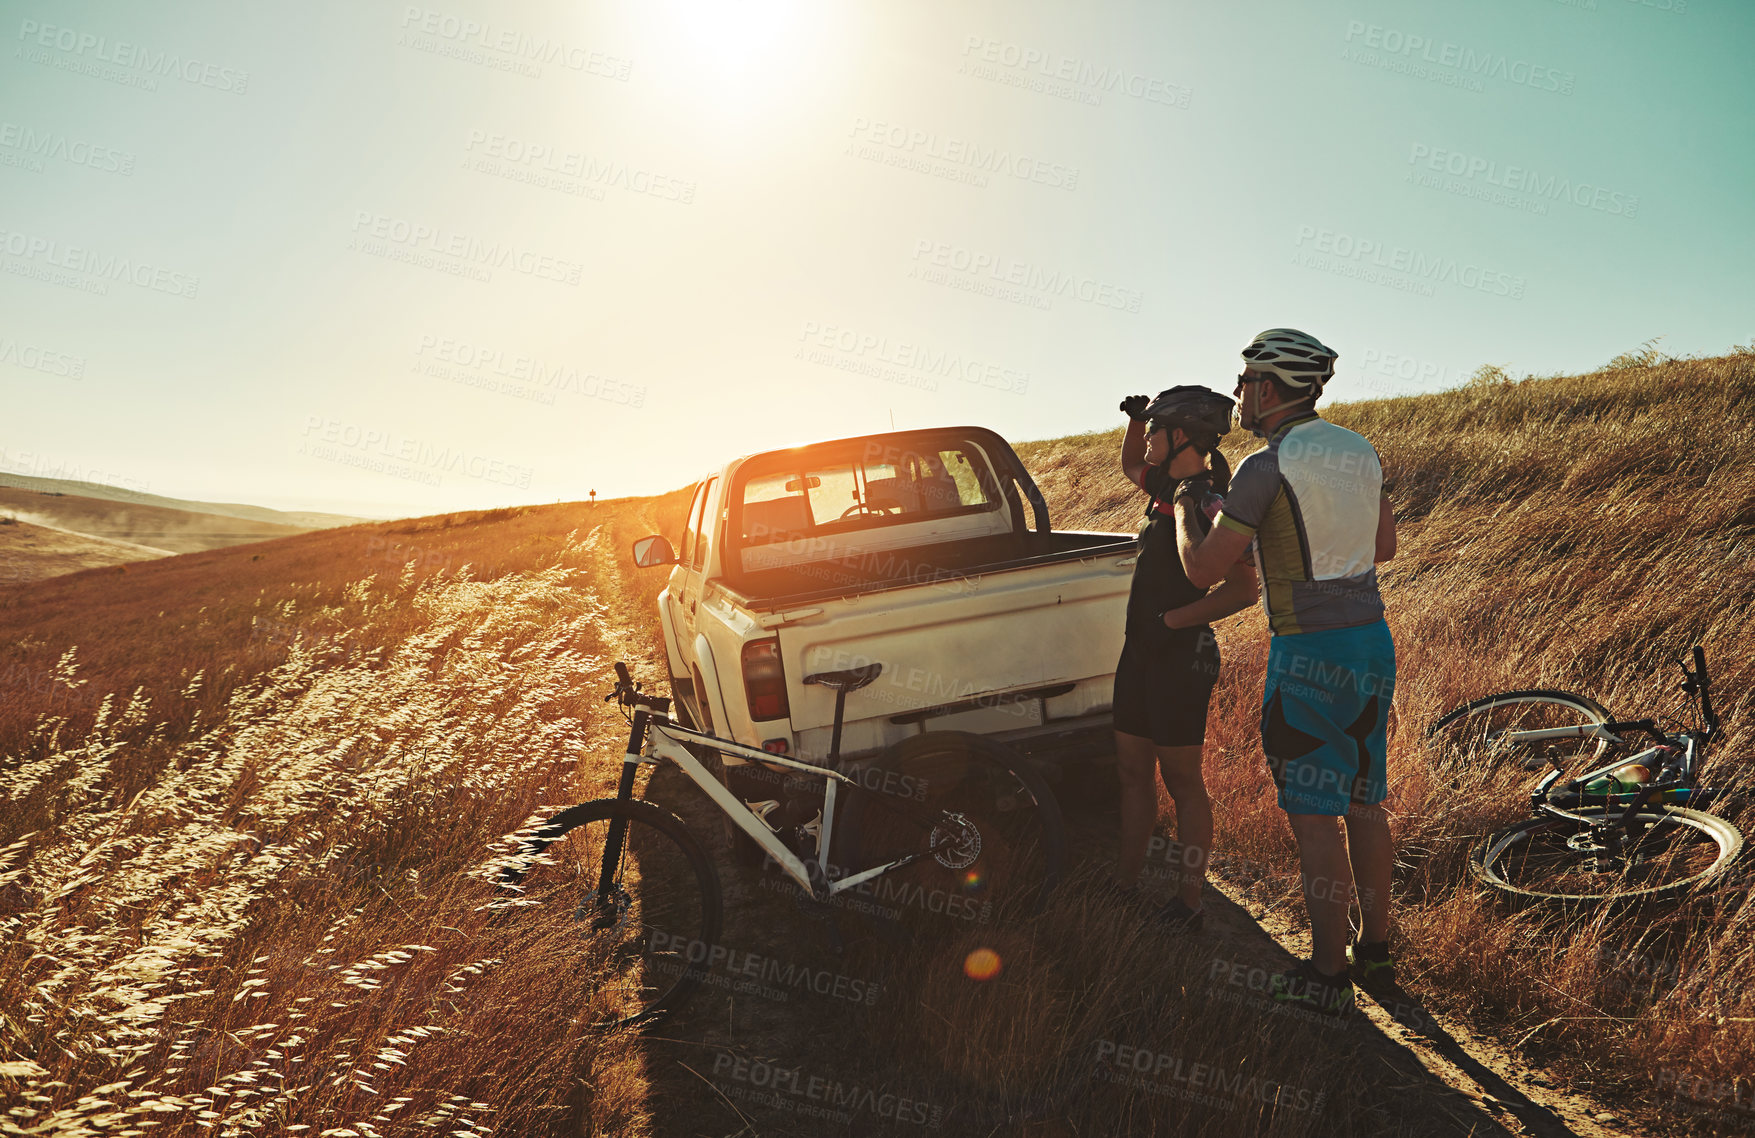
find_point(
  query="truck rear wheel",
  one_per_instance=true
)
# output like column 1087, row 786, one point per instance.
column 997, row 842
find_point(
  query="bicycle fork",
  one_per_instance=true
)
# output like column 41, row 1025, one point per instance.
column 608, row 878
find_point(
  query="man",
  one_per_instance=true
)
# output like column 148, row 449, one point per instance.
column 1170, row 660
column 1312, row 502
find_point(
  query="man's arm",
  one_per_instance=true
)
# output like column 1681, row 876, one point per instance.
column 1206, row 559
column 1385, row 532
column 1237, row 593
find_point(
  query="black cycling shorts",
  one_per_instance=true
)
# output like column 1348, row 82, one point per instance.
column 1162, row 689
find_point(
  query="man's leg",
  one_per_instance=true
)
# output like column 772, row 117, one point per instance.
column 1328, row 883
column 1135, row 766
column 1372, row 857
column 1181, row 770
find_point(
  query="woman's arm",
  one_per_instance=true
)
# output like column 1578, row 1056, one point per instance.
column 1133, row 450
column 1238, row 592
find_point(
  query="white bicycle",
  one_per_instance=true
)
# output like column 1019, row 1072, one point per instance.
column 621, row 891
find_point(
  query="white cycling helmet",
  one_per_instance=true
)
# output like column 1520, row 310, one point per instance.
column 1297, row 359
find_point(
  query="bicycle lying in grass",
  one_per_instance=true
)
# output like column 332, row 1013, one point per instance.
column 1633, row 829
column 621, row 889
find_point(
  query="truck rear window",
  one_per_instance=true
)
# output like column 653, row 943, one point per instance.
column 890, row 487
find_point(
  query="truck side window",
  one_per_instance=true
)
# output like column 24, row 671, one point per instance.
column 703, row 528
column 692, row 531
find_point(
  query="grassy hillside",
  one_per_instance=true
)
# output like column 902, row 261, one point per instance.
column 103, row 492
column 1576, row 532
column 244, row 791
column 31, row 552
column 246, row 796
column 49, row 533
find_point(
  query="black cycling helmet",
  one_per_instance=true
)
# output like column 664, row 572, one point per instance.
column 1203, row 414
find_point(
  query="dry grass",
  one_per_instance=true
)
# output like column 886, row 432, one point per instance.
column 249, row 796
column 257, row 899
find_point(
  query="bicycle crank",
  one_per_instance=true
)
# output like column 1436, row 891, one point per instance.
column 1604, row 858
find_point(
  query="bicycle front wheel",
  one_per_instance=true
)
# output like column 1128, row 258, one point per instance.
column 993, row 828
column 1663, row 852
column 1479, row 732
column 638, row 934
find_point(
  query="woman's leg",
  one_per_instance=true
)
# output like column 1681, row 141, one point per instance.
column 1134, row 760
column 1181, row 771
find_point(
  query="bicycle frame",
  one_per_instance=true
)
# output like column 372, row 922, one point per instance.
column 654, row 738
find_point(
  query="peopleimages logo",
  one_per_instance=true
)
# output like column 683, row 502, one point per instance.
column 460, row 361
column 38, row 358
column 387, row 452
column 48, row 144
column 1411, row 264
column 145, row 65
column 1405, row 48
column 511, row 153
column 1066, row 76
column 89, row 268
column 1038, row 284
column 376, row 233
column 1519, row 179
column 933, row 363
column 518, row 51
column 894, row 143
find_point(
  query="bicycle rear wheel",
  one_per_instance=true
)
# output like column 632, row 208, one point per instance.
column 636, row 937
column 1474, row 734
column 1669, row 850
column 994, row 826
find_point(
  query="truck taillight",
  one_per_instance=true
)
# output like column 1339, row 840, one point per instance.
column 764, row 680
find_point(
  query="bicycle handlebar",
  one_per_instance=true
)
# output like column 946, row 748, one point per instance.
column 1697, row 683
column 628, row 694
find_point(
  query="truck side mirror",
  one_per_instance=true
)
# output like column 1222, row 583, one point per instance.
column 650, row 552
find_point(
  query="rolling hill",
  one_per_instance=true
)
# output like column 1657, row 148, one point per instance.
column 51, row 526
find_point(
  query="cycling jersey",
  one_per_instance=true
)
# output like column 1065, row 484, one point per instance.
column 1310, row 500
column 1165, row 676
column 1158, row 580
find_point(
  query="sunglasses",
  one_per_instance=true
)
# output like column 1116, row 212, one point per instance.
column 1247, row 379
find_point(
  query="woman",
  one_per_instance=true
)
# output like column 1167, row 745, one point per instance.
column 1171, row 660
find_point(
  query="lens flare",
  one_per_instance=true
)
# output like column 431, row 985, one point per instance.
column 982, row 964
column 973, row 880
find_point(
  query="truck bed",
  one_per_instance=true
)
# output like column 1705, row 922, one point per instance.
column 1015, row 648
column 778, row 589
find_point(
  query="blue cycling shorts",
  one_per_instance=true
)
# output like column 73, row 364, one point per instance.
column 1325, row 717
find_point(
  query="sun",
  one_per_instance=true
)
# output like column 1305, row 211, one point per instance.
column 744, row 58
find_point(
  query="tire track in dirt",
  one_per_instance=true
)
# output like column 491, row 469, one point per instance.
column 1490, row 1075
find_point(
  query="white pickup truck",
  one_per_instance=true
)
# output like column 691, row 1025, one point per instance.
column 912, row 550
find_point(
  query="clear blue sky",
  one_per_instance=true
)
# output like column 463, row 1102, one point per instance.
column 394, row 258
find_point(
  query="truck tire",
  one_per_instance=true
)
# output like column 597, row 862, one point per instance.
column 1005, row 860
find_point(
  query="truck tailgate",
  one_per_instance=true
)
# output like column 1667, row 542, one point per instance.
column 972, row 642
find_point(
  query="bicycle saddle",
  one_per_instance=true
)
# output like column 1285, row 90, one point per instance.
column 850, row 679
